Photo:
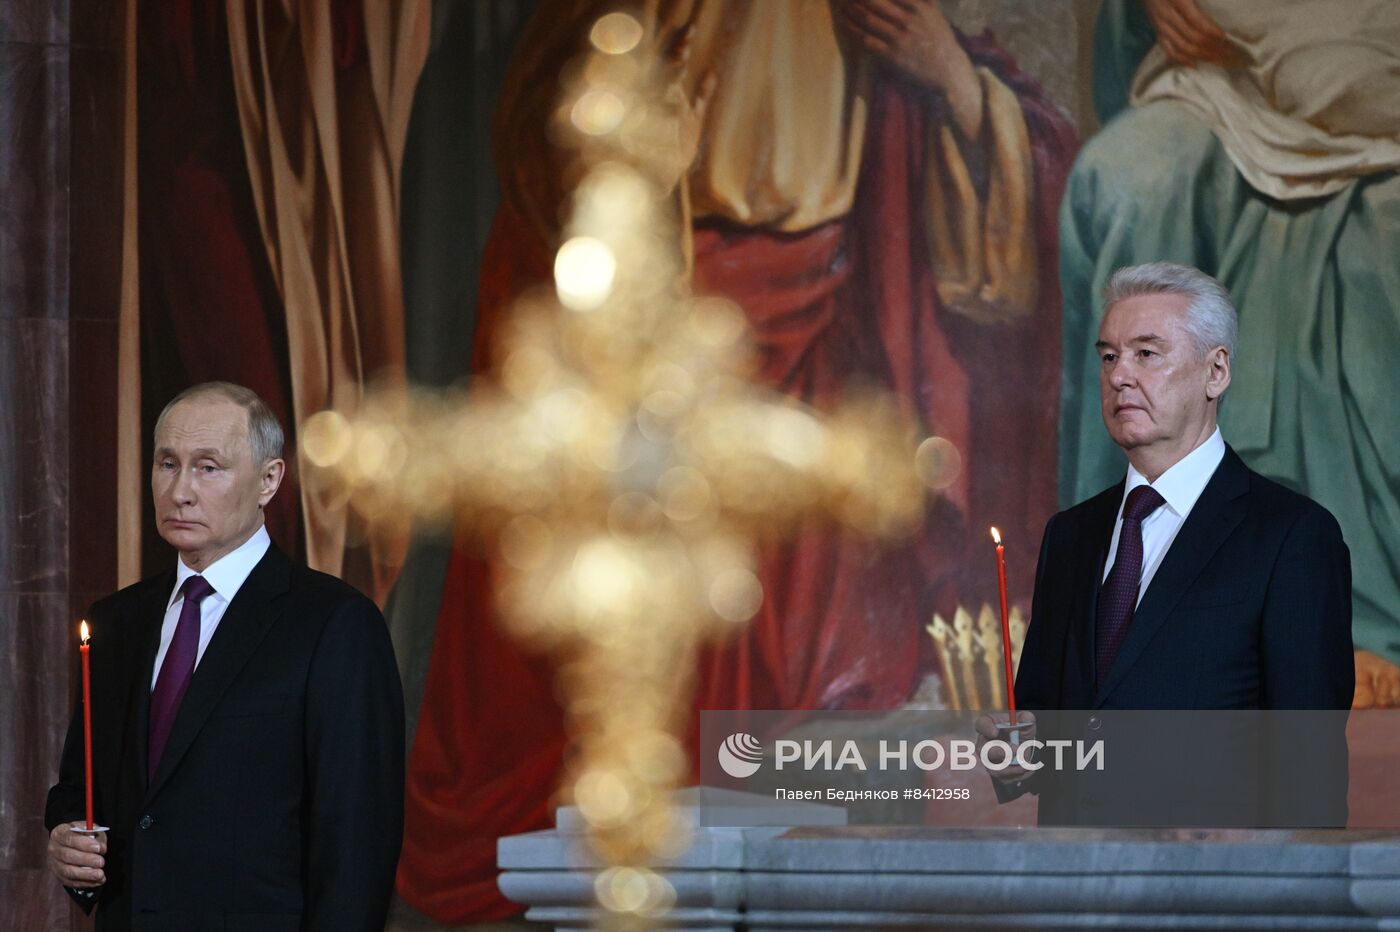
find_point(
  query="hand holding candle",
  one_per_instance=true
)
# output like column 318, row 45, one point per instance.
column 1005, row 625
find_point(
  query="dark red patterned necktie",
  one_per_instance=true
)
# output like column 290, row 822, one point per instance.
column 176, row 669
column 1119, row 595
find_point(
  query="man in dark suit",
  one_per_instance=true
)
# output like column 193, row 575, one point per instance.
column 1195, row 583
column 247, row 716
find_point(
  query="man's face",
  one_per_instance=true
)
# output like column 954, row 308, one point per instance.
column 208, row 491
column 1156, row 388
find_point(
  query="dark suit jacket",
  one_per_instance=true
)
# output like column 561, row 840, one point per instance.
column 1249, row 609
column 278, row 803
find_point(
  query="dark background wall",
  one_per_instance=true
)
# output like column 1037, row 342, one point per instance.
column 60, row 262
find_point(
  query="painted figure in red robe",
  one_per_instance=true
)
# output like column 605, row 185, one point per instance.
column 878, row 193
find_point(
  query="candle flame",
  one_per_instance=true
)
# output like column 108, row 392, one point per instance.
column 996, row 535
column 83, row 628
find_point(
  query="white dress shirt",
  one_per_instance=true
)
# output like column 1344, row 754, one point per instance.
column 227, row 575
column 1180, row 486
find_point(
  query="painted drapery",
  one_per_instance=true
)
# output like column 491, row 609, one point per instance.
column 270, row 147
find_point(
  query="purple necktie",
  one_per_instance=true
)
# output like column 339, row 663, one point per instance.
column 176, row 670
column 1119, row 595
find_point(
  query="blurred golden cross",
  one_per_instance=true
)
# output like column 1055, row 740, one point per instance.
column 624, row 467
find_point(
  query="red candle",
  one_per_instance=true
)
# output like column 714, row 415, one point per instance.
column 1005, row 624
column 87, row 720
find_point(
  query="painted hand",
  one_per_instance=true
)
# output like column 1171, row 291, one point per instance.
column 1377, row 682
column 685, row 113
column 915, row 38
column 1189, row 36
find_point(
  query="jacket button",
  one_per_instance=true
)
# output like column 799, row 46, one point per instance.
column 146, row 821
column 1095, row 723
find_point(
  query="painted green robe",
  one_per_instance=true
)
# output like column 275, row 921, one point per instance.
column 1315, row 401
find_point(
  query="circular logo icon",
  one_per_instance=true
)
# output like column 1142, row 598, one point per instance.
column 740, row 755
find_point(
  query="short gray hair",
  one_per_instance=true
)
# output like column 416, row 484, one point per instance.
column 1211, row 318
column 264, row 430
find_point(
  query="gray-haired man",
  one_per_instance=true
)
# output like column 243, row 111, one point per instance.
column 1195, row 583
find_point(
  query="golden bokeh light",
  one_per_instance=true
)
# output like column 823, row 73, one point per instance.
column 794, row 437
column 616, row 200
column 529, row 371
column 326, row 438
column 584, row 269
column 560, row 415
column 685, row 493
column 657, row 758
column 625, row 470
column 736, row 595
column 716, row 323
column 598, row 111
column 603, row 797
column 610, row 71
column 379, row 454
column 616, row 34
column 605, row 578
column 636, row 891
column 938, row 462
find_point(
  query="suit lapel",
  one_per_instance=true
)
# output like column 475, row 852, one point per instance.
column 1091, row 551
column 150, row 615
column 244, row 625
column 1215, row 515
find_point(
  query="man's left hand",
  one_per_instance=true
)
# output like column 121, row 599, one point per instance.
column 989, row 727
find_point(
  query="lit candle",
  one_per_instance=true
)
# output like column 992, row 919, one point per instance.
column 87, row 720
column 1005, row 624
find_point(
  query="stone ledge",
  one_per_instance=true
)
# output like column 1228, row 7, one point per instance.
column 831, row 877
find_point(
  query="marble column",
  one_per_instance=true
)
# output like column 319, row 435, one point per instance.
column 60, row 259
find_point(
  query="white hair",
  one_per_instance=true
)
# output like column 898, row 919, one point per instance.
column 264, row 429
column 1211, row 318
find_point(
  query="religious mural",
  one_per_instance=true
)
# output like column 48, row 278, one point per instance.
column 895, row 194
column 877, row 192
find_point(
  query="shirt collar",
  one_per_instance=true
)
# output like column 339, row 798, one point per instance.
column 228, row 573
column 1184, row 482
